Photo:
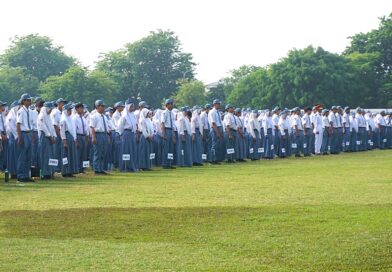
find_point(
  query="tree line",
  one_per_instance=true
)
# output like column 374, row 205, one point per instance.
column 155, row 67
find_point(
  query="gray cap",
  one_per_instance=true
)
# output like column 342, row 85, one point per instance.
column 143, row 104
column 68, row 106
column 48, row 105
column 3, row 103
column 119, row 104
column 169, row 101
column 207, row 106
column 25, row 96
column 216, row 101
column 228, row 106
column 61, row 100
column 99, row 103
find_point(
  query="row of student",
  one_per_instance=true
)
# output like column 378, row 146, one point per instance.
column 64, row 137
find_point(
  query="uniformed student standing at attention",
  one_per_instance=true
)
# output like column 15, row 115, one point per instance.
column 23, row 128
column 46, row 140
column 127, row 127
column 206, row 132
column 69, row 156
column 100, row 137
column 12, row 135
column 56, row 116
column 197, row 135
column 216, row 132
column 307, row 126
column 168, row 137
column 146, row 140
column 82, row 135
column 230, row 133
column 3, row 138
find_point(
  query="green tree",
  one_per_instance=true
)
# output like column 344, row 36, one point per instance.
column 190, row 93
column 78, row 85
column 149, row 68
column 14, row 82
column 37, row 56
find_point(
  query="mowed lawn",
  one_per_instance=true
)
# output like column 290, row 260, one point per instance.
column 331, row 213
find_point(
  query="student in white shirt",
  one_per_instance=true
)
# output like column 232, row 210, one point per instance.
column 24, row 130
column 82, row 135
column 69, row 156
column 100, row 137
column 146, row 140
column 46, row 140
column 127, row 127
column 197, row 137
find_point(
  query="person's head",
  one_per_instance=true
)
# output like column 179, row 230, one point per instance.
column 238, row 112
column 216, row 104
column 131, row 107
column 3, row 105
column 100, row 106
column 143, row 105
column 334, row 109
column 25, row 100
column 276, row 110
column 169, row 103
column 229, row 108
column 207, row 108
column 60, row 103
column 68, row 108
column 382, row 113
column 119, row 106
column 308, row 110
column 79, row 107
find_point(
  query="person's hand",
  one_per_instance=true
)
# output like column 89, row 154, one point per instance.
column 95, row 141
column 20, row 141
column 65, row 144
column 193, row 137
column 77, row 144
column 174, row 140
column 51, row 139
column 230, row 136
column 182, row 138
column 254, row 139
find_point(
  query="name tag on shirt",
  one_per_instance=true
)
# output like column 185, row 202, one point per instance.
column 251, row 151
column 182, row 152
column 305, row 145
column 169, row 156
column 86, row 164
column 126, row 157
column 272, row 147
column 230, row 151
column 347, row 143
column 358, row 142
column 283, row 150
column 152, row 156
column 65, row 161
column 203, row 156
column 260, row 150
column 53, row 162
column 293, row 145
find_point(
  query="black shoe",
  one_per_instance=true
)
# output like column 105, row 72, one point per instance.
column 166, row 167
column 98, row 173
column 298, row 156
column 28, row 180
column 13, row 176
column 104, row 173
column 172, row 167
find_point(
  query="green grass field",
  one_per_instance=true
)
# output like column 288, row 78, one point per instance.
column 329, row 213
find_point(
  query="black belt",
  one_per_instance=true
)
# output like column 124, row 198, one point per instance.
column 80, row 134
column 26, row 131
column 101, row 133
column 127, row 129
column 168, row 128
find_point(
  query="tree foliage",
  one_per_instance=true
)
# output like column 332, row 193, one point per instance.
column 149, row 68
column 190, row 93
column 36, row 56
